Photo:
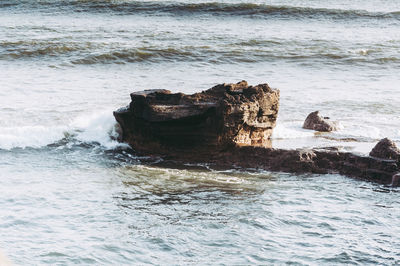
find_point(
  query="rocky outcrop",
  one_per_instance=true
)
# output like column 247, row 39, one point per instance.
column 315, row 121
column 318, row 161
column 386, row 149
column 230, row 126
column 311, row 161
column 223, row 116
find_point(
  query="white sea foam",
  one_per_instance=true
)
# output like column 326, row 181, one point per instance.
column 29, row 136
column 294, row 130
column 291, row 130
column 99, row 127
column 358, row 131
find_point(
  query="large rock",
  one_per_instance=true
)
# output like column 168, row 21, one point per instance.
column 315, row 121
column 386, row 149
column 225, row 115
column 229, row 126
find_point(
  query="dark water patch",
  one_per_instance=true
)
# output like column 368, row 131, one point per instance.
column 189, row 9
column 54, row 254
column 43, row 49
column 140, row 55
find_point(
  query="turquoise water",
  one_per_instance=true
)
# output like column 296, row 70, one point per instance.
column 70, row 194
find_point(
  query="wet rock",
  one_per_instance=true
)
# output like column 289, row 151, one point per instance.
column 225, row 115
column 315, row 121
column 295, row 161
column 230, row 126
column 386, row 149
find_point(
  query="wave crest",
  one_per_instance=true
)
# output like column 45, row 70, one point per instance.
column 251, row 51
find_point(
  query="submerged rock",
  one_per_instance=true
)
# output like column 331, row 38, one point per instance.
column 315, row 121
column 386, row 149
column 225, row 115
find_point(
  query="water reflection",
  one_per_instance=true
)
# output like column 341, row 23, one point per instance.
column 161, row 181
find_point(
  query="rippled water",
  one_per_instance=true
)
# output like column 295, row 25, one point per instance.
column 87, row 206
column 70, row 194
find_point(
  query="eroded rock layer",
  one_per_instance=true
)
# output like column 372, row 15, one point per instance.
column 223, row 116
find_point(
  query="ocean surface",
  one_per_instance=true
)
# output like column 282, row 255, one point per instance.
column 70, row 194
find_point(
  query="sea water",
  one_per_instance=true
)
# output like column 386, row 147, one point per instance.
column 71, row 194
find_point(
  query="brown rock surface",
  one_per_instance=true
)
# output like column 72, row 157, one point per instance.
column 225, row 115
column 230, row 126
column 386, row 149
column 315, row 121
column 295, row 161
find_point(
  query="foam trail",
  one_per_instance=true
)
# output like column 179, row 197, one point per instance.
column 98, row 128
column 358, row 131
column 291, row 130
column 30, row 136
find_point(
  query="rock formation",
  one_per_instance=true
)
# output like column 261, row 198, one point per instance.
column 315, row 121
column 386, row 149
column 310, row 161
column 225, row 115
column 230, row 126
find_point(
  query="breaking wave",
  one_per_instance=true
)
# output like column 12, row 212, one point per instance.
column 98, row 128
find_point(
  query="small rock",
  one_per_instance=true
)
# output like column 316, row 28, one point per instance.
column 315, row 121
column 386, row 149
